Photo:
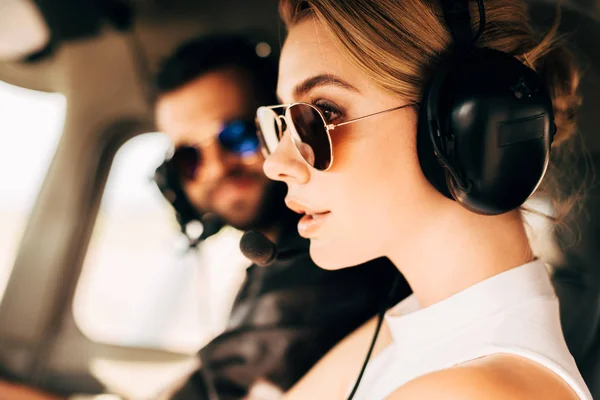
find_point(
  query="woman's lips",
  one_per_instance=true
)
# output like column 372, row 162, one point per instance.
column 311, row 223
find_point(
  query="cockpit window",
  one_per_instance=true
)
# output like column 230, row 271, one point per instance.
column 30, row 128
column 139, row 286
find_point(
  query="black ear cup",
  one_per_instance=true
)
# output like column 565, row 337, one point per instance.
column 485, row 129
column 168, row 182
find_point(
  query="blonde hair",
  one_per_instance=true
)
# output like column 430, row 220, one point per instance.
column 397, row 44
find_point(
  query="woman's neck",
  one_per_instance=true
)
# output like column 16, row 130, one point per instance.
column 459, row 250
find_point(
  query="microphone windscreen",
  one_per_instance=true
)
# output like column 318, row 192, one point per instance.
column 258, row 248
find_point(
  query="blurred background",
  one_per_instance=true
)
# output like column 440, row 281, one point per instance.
column 97, row 292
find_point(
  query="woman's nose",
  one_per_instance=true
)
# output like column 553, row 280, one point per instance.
column 285, row 164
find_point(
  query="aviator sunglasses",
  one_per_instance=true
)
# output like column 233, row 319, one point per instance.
column 236, row 137
column 310, row 132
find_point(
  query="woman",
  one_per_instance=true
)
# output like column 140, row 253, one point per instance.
column 483, row 321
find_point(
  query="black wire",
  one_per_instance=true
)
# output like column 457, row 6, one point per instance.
column 481, row 8
column 382, row 312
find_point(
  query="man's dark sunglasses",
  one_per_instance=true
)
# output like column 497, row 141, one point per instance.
column 236, row 137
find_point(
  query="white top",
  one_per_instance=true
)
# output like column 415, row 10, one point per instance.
column 515, row 312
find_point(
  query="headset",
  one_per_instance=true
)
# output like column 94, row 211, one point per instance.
column 168, row 182
column 486, row 122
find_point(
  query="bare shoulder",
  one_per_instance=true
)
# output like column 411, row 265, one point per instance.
column 332, row 376
column 498, row 377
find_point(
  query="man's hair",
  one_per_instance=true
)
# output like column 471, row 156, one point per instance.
column 201, row 55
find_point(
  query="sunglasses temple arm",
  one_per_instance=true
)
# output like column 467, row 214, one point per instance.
column 333, row 126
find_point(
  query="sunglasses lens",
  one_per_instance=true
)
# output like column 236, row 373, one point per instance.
column 310, row 136
column 268, row 129
column 239, row 137
column 186, row 161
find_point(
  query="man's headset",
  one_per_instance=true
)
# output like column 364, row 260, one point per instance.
column 484, row 133
column 168, row 181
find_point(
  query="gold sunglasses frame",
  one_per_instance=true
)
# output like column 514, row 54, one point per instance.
column 287, row 119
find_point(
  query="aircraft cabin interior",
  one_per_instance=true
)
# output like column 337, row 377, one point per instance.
column 97, row 291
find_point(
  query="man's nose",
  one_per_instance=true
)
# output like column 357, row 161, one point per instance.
column 285, row 164
column 214, row 163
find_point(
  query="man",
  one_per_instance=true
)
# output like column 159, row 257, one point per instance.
column 286, row 315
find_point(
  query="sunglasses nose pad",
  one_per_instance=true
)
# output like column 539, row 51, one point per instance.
column 282, row 125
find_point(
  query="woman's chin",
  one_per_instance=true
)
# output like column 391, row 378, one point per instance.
column 331, row 258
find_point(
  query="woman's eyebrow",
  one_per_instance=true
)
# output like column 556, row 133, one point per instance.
column 321, row 80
